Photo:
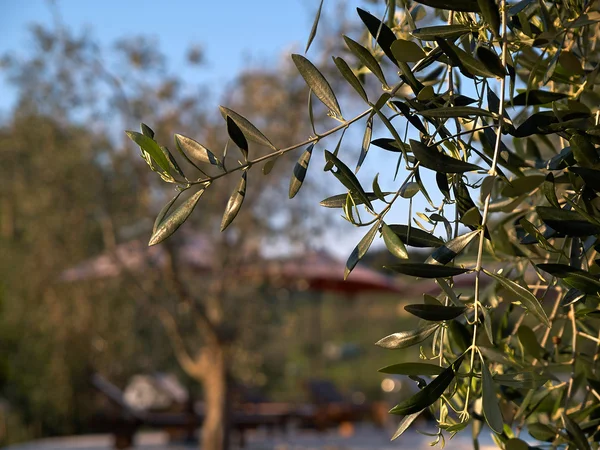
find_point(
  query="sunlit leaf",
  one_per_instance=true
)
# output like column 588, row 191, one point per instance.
column 405, row 423
column 393, row 242
column 250, row 131
column 441, row 31
column 407, row 51
column 338, row 201
column 151, row 147
column 169, row 225
column 317, row 82
column 458, row 5
column 405, row 339
column 451, row 249
column 300, row 171
column 366, row 142
column 527, row 299
column 235, row 202
column 360, row 250
column 366, row 58
column 192, row 150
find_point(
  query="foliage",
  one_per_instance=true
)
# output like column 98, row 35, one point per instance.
column 523, row 351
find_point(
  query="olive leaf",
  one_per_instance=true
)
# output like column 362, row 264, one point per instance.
column 451, row 249
column 169, row 225
column 431, row 158
column 412, row 368
column 527, row 299
column 192, row 150
column 313, row 30
column 250, row 131
column 405, row 339
column 416, row 238
column 235, row 202
column 435, row 313
column 393, row 242
column 422, row 270
column 441, row 32
column 366, row 58
column 317, row 82
column 360, row 250
column 150, row 146
column 491, row 409
column 300, row 171
column 347, row 73
column 430, row 393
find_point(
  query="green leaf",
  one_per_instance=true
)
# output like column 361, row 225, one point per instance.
column 522, row 185
column 360, row 250
column 516, row 444
column 412, row 368
column 393, row 242
column 458, row 5
column 522, row 380
column 250, row 131
column 168, row 226
column 431, row 158
column 584, row 151
column 422, row 270
column 527, row 299
column 469, row 64
column 366, row 142
column 347, row 73
column 435, row 313
column 585, row 19
column 416, row 238
column 591, row 177
column 577, row 436
column 347, row 178
column 237, row 136
column 570, row 63
column 490, row 60
column 441, row 31
column 313, row 31
column 366, row 58
column 529, row 341
column 407, row 51
column 189, row 148
column 150, row 146
column 573, row 277
column 300, row 171
column 338, row 201
column 147, row 131
column 409, row 190
column 541, row 432
column 430, row 393
column 380, row 31
column 534, row 97
column 235, row 202
column 455, row 111
column 317, row 82
column 491, row 15
column 173, row 165
column 569, row 223
column 451, row 249
column 491, row 408
column 163, row 212
column 406, row 339
column 405, row 423
column 266, row 170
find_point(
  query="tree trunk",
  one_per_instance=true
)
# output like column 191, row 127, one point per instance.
column 216, row 426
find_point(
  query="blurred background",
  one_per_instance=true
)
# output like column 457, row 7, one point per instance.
column 100, row 334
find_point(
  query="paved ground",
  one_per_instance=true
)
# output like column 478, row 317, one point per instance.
column 364, row 438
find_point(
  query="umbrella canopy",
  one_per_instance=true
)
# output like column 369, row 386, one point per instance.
column 317, row 271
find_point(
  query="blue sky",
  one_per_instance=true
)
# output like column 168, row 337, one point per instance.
column 233, row 35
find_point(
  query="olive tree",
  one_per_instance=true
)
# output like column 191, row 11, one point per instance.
column 500, row 103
